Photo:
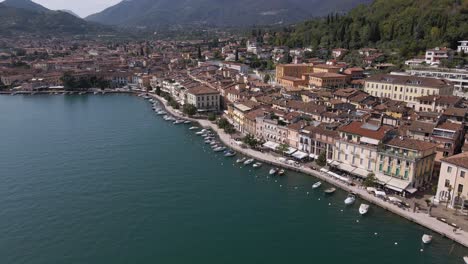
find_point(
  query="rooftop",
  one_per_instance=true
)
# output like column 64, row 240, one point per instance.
column 460, row 160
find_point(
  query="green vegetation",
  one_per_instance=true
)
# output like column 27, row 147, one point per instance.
column 223, row 123
column 370, row 181
column 189, row 109
column 321, row 160
column 408, row 25
column 251, row 141
column 211, row 117
column 282, row 148
column 73, row 83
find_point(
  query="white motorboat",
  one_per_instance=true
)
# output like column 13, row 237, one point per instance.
column 193, row 128
column 219, row 149
column 249, row 161
column 214, row 143
column 316, row 185
column 161, row 112
column 273, row 171
column 229, row 153
column 330, row 190
column 178, row 122
column 363, row 209
column 426, row 239
column 241, row 160
column 465, row 258
column 350, row 199
column 257, row 165
column 208, row 141
column 199, row 133
column 187, row 122
column 281, row 172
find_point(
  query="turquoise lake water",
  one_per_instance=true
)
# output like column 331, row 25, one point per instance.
column 102, row 179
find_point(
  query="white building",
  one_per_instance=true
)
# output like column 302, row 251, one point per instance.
column 458, row 77
column 463, row 46
column 434, row 56
column 453, row 180
column 203, row 98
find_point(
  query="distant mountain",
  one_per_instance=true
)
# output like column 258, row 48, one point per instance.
column 21, row 20
column 70, row 12
column 223, row 13
column 25, row 4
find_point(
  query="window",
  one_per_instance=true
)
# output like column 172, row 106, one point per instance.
column 449, row 169
column 462, row 174
column 447, row 183
column 460, row 188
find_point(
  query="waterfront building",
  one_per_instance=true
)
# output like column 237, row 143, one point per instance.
column 204, row 99
column 318, row 140
column 405, row 164
column 463, row 46
column 271, row 129
column 238, row 112
column 406, row 88
column 356, row 149
column 452, row 186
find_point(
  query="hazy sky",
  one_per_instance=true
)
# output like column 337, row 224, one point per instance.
column 81, row 7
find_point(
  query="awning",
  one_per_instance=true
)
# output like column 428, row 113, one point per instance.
column 346, row 167
column 380, row 193
column 339, row 177
column 323, row 170
column 300, row 155
column 411, row 190
column 290, row 151
column 313, row 156
column 395, row 200
column 271, row 145
column 397, row 184
column 383, row 179
column 361, row 172
column 335, row 163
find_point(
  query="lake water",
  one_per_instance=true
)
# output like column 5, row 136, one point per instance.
column 102, row 179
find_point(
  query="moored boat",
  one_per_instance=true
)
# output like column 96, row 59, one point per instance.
column 199, row 133
column 350, row 199
column 249, row 161
column 187, row 122
column 229, row 153
column 363, row 209
column 316, row 185
column 193, row 128
column 281, row 172
column 426, row 239
column 273, row 171
column 465, row 258
column 219, row 149
column 178, row 122
column 257, row 165
column 241, row 160
column 330, row 190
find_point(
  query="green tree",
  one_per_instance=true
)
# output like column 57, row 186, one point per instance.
column 250, row 140
column 237, row 55
column 230, row 129
column 158, row 90
column 370, row 181
column 321, row 160
column 211, row 117
column 189, row 109
column 266, row 78
column 282, row 148
column 223, row 123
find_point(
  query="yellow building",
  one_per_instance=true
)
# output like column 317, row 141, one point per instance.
column 328, row 80
column 293, row 70
column 406, row 88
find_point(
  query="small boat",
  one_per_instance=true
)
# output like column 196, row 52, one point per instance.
column 193, row 128
column 178, row 122
column 219, row 149
column 330, row 190
column 426, row 239
column 350, row 199
column 229, row 153
column 161, row 112
column 208, row 141
column 199, row 133
column 281, row 172
column 316, row 185
column 214, row 143
column 273, row 171
column 95, row 93
column 241, row 160
column 187, row 122
column 363, row 209
column 465, row 258
column 257, row 165
column 249, row 161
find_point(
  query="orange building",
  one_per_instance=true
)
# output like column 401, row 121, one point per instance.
column 327, row 80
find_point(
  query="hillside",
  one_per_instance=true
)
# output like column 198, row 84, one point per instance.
column 412, row 25
column 25, row 4
column 23, row 21
column 223, row 13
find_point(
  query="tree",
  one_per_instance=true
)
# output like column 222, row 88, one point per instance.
column 266, row 78
column 250, row 140
column 282, row 148
column 158, row 90
column 223, row 123
column 199, row 54
column 189, row 109
column 370, row 181
column 237, row 55
column 322, row 159
column 230, row 129
column 211, row 117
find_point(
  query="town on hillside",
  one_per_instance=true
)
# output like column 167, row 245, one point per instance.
column 402, row 129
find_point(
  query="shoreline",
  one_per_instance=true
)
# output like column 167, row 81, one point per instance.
column 420, row 218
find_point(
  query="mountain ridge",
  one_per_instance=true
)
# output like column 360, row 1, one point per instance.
column 220, row 13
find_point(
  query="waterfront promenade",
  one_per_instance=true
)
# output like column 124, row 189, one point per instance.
column 423, row 219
